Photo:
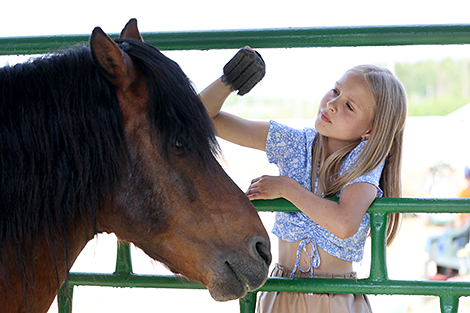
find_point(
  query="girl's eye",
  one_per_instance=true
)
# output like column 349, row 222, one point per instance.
column 349, row 106
column 335, row 91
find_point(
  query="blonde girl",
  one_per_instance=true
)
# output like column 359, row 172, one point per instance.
column 353, row 152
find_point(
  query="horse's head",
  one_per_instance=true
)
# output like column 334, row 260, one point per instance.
column 175, row 201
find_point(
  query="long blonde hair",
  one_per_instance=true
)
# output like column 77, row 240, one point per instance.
column 384, row 143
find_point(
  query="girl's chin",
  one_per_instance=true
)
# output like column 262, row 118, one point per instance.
column 319, row 126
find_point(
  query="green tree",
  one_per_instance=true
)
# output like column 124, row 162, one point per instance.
column 435, row 88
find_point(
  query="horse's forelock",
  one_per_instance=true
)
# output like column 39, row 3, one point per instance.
column 175, row 110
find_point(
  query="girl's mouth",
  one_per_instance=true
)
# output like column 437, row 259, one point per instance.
column 324, row 117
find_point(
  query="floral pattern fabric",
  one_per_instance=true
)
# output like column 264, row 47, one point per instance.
column 290, row 149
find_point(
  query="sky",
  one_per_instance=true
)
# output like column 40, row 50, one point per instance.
column 25, row 18
column 291, row 73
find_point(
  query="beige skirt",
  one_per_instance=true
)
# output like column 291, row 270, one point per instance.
column 296, row 302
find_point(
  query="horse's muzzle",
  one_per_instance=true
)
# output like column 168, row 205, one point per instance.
column 240, row 274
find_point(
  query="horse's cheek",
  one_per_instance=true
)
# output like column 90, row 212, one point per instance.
column 134, row 213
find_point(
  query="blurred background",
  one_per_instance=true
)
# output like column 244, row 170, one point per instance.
column 436, row 150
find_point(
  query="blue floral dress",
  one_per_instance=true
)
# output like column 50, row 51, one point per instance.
column 291, row 150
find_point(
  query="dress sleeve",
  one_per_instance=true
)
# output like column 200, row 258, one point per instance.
column 372, row 177
column 291, row 150
column 285, row 146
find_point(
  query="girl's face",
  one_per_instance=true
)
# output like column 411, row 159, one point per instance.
column 346, row 112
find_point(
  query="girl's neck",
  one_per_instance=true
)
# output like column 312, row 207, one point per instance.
column 333, row 145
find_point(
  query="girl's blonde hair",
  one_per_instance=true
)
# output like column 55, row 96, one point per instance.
column 385, row 143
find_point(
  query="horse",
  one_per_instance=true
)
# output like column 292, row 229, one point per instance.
column 113, row 138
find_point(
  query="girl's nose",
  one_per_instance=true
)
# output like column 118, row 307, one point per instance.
column 332, row 105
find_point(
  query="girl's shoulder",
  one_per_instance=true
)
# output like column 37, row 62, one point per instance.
column 372, row 177
column 354, row 154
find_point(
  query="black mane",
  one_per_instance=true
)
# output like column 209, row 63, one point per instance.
column 62, row 147
column 62, row 138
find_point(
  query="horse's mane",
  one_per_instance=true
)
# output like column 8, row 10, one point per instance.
column 62, row 148
column 62, row 138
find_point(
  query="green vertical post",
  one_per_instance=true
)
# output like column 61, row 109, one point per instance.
column 449, row 304
column 378, row 268
column 123, row 258
column 248, row 303
column 64, row 299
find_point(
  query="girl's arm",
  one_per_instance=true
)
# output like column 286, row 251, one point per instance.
column 341, row 218
column 214, row 96
column 252, row 134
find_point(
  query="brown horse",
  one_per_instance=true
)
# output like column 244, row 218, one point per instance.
column 113, row 138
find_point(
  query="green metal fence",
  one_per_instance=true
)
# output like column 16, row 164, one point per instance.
column 378, row 281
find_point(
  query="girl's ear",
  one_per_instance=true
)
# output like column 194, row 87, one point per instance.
column 366, row 135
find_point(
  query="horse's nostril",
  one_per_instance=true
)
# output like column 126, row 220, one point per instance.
column 261, row 248
column 264, row 253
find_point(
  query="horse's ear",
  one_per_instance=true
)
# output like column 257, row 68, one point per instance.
column 115, row 64
column 131, row 31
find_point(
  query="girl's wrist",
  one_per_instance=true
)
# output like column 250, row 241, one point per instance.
column 223, row 80
column 289, row 189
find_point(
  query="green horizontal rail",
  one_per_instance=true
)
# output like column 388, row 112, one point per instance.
column 263, row 38
column 323, row 285
column 384, row 205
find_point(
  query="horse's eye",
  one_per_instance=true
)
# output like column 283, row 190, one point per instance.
column 179, row 147
column 182, row 147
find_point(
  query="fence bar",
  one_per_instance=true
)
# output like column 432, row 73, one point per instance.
column 248, row 303
column 64, row 299
column 360, row 286
column 123, row 258
column 383, row 205
column 378, row 227
column 449, row 304
column 350, row 36
column 133, row 280
column 367, row 286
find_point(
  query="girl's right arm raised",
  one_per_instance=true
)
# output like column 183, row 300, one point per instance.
column 248, row 133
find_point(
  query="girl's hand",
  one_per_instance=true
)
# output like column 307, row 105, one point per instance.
column 269, row 187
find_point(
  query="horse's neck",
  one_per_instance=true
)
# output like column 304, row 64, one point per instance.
column 43, row 274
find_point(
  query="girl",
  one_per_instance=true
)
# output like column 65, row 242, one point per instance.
column 353, row 152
